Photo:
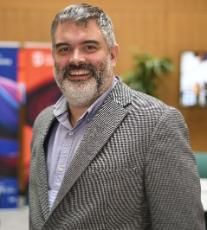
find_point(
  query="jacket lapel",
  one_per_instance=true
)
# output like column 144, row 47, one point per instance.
column 42, row 177
column 105, row 122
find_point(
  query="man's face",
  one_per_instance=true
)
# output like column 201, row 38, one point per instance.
column 83, row 62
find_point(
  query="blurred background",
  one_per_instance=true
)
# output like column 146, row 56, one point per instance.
column 147, row 31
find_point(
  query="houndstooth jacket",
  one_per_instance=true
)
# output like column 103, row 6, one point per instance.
column 134, row 169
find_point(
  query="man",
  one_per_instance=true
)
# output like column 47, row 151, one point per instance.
column 105, row 156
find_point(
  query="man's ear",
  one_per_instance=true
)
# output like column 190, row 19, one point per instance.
column 114, row 54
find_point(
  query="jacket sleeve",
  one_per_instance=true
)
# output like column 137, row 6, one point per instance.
column 171, row 178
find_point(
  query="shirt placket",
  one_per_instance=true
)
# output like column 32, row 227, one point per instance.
column 63, row 159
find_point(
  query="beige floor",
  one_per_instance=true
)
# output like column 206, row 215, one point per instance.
column 14, row 219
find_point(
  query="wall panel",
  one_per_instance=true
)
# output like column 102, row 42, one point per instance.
column 161, row 27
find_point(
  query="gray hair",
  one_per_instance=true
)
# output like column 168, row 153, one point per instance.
column 82, row 13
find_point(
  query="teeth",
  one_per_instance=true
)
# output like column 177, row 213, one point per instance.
column 79, row 72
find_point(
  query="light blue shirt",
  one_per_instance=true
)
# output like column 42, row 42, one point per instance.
column 64, row 141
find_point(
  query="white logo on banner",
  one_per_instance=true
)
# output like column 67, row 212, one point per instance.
column 5, row 61
column 40, row 59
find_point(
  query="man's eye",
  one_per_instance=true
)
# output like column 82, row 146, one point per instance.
column 90, row 48
column 63, row 50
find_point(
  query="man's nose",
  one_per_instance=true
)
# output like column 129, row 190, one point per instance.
column 77, row 57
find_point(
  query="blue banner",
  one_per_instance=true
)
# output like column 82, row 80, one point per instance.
column 11, row 98
column 8, row 193
column 8, row 61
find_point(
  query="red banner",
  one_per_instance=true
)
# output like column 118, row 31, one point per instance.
column 36, row 72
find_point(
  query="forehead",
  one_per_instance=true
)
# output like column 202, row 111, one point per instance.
column 78, row 31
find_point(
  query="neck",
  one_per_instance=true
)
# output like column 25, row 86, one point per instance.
column 75, row 114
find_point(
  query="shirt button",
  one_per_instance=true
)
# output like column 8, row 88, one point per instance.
column 64, row 149
column 57, row 184
column 61, row 168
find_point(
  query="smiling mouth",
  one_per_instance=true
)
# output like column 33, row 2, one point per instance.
column 79, row 75
column 79, row 72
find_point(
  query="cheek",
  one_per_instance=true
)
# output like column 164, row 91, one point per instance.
column 60, row 62
column 98, row 57
column 98, row 60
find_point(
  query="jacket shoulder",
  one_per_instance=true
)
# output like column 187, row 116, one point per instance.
column 144, row 103
column 43, row 117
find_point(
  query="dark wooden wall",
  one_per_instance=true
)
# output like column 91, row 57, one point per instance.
column 161, row 27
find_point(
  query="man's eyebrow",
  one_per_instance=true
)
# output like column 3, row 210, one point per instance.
column 56, row 46
column 60, row 44
column 91, row 42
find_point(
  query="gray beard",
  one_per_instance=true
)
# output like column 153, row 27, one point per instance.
column 80, row 94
